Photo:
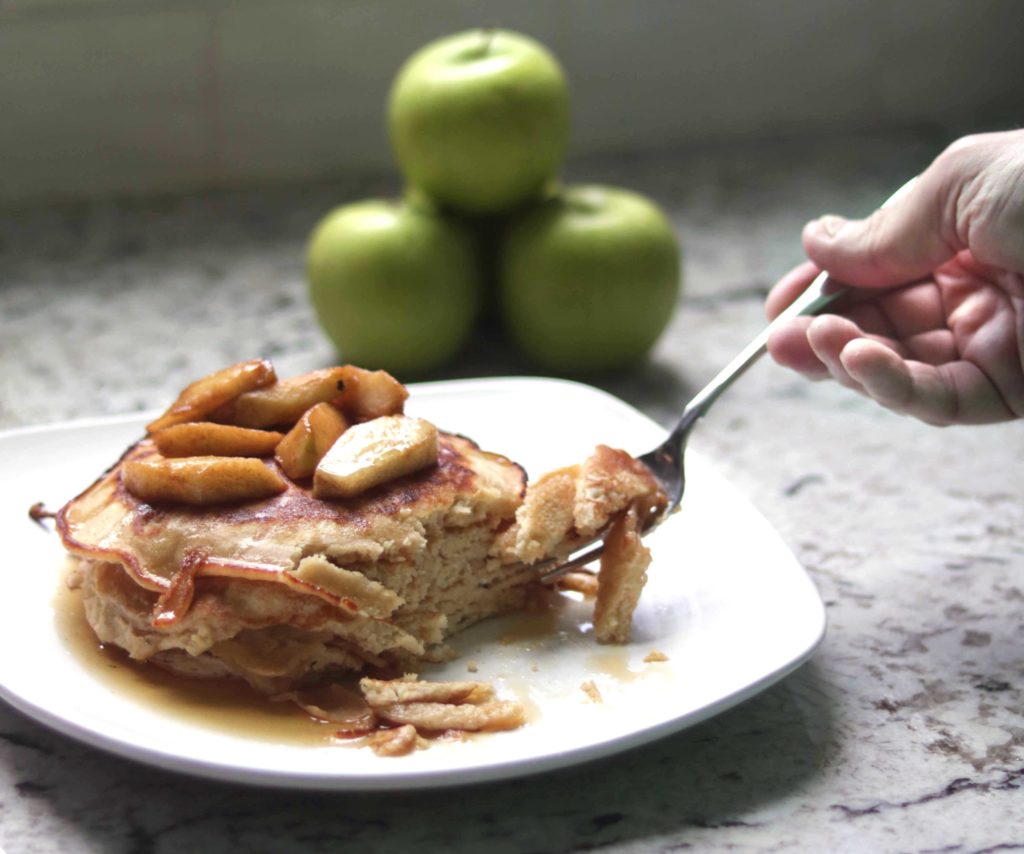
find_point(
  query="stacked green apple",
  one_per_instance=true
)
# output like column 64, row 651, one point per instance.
column 586, row 277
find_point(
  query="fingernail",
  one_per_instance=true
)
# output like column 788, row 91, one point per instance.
column 831, row 224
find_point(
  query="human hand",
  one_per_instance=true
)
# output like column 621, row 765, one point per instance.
column 947, row 348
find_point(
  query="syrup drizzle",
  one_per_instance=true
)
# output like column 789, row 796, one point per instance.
column 39, row 514
column 228, row 705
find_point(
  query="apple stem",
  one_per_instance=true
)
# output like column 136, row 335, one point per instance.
column 488, row 34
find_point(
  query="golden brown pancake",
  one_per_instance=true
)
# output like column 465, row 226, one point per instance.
column 297, row 582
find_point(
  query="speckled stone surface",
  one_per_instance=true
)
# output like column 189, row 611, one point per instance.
column 903, row 733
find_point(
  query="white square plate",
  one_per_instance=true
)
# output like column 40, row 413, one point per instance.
column 726, row 603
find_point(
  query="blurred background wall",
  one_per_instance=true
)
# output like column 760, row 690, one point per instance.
column 129, row 97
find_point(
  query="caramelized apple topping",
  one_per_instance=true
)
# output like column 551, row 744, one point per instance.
column 373, row 453
column 212, row 439
column 203, row 396
column 299, row 452
column 201, row 480
column 371, row 394
column 203, row 438
column 283, row 402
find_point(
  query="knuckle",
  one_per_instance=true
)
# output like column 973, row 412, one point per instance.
column 990, row 216
column 972, row 146
column 960, row 146
column 875, row 243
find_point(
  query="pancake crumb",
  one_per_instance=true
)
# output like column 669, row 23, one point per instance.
column 590, row 689
column 471, row 666
column 400, row 741
column 434, row 707
column 655, row 655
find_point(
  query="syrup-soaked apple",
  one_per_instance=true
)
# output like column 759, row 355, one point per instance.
column 201, row 480
column 200, row 398
column 204, row 438
column 373, row 453
column 301, row 450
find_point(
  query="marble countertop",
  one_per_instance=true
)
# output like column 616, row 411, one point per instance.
column 903, row 733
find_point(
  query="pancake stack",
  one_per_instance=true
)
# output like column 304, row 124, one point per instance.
column 282, row 531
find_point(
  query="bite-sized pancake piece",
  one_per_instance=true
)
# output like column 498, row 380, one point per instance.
column 621, row 579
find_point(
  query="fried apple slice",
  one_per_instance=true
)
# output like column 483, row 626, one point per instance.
column 200, row 398
column 301, row 450
column 371, row 394
column 201, row 480
column 375, row 452
column 203, row 438
column 285, row 401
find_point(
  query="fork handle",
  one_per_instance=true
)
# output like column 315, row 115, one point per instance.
column 821, row 293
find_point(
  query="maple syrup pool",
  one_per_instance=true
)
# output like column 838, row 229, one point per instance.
column 227, row 705
column 223, row 704
column 232, row 706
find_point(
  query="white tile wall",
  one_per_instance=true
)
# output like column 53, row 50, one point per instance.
column 718, row 69
column 137, row 96
column 103, row 98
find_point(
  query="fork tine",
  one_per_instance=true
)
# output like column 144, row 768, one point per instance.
column 566, row 566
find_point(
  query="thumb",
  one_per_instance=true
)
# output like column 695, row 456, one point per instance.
column 897, row 244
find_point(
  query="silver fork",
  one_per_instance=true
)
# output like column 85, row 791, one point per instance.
column 666, row 462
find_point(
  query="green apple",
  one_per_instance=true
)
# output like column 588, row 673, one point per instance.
column 479, row 121
column 589, row 279
column 394, row 286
